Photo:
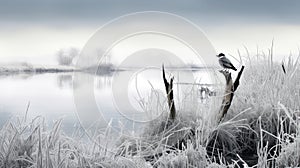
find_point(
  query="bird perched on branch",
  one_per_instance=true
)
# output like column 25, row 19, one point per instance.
column 225, row 62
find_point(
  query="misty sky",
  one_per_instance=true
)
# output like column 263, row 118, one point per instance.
column 33, row 30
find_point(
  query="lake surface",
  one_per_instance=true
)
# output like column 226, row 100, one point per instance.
column 120, row 96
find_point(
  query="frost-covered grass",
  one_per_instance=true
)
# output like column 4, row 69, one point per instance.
column 261, row 129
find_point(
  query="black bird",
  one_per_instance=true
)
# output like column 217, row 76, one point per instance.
column 225, row 62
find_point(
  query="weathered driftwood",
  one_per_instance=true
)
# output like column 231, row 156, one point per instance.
column 230, row 88
column 169, row 91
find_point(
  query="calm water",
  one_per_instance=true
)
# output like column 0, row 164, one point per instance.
column 120, row 96
column 50, row 96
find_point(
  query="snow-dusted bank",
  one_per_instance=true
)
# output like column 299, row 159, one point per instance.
column 26, row 68
column 17, row 68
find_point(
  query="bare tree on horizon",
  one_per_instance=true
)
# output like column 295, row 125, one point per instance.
column 66, row 56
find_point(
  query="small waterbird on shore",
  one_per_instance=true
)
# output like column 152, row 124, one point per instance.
column 225, row 62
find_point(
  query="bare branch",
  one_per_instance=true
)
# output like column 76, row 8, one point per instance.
column 237, row 80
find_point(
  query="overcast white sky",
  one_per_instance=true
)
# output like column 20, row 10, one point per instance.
column 34, row 30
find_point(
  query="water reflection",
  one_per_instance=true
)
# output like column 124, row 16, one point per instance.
column 64, row 81
column 103, row 82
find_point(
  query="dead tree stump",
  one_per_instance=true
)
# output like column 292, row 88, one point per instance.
column 230, row 88
column 169, row 91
